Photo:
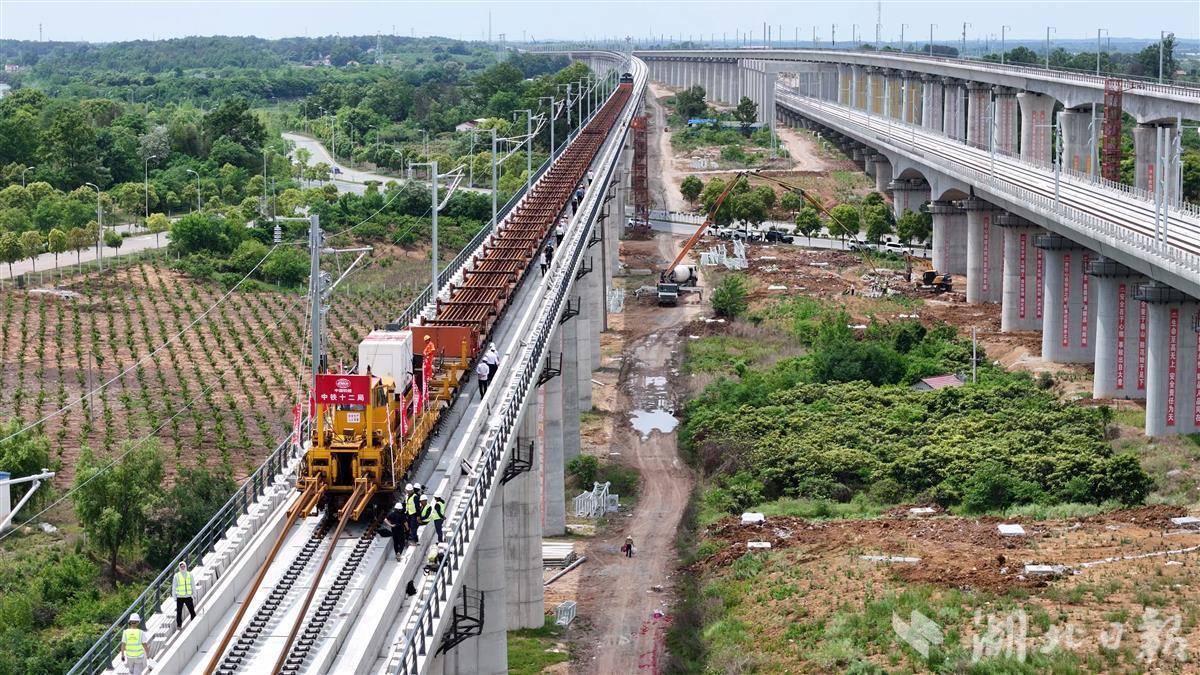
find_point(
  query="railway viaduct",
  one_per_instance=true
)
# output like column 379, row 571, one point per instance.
column 1005, row 158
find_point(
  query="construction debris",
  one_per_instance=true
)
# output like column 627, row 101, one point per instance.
column 1010, row 530
column 890, row 558
column 758, row 545
column 557, row 553
column 1045, row 570
column 750, row 518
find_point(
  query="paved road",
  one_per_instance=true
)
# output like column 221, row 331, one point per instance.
column 45, row 261
column 350, row 179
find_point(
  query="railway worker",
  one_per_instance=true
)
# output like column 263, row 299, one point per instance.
column 590, row 176
column 429, row 352
column 492, row 359
column 627, row 549
column 483, row 374
column 547, row 257
column 559, row 232
column 182, row 589
column 410, row 512
column 435, row 558
column 433, row 511
column 134, row 650
column 396, row 521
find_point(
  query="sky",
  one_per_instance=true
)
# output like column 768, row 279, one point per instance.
column 110, row 20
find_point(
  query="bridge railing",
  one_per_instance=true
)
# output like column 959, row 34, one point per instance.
column 1051, row 207
column 100, row 656
column 469, row 509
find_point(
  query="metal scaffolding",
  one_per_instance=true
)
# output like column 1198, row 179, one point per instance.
column 1110, row 148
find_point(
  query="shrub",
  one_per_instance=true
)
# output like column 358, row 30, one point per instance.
column 584, row 469
column 993, row 487
column 195, row 497
column 287, row 267
column 729, row 298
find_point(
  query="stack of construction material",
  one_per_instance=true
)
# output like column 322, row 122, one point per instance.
column 557, row 553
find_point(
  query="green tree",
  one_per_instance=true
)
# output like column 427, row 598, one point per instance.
column 158, row 223
column 746, row 112
column 204, row 232
column 78, row 239
column 844, row 222
column 690, row 103
column 234, row 120
column 113, row 240
column 32, row 245
column 808, row 222
column 712, row 191
column 767, row 195
column 287, row 266
column 914, row 226
column 196, row 495
column 729, row 297
column 1146, row 61
column 57, row 243
column 791, row 202
column 10, row 250
column 878, row 220
column 114, row 499
column 748, row 208
column 690, row 188
column 23, row 455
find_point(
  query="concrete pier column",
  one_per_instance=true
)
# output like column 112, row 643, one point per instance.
column 875, row 87
column 1024, row 269
column 599, row 307
column 522, row 504
column 908, row 194
column 570, row 381
column 894, row 94
column 487, row 652
column 883, row 174
column 844, row 80
column 985, row 252
column 1068, row 327
column 861, row 77
column 1036, row 120
column 1172, row 389
column 911, row 98
column 583, row 332
column 1005, row 127
column 554, row 512
column 979, row 100
column 953, row 115
column 1145, row 150
column 932, row 95
column 949, row 238
column 1077, row 138
column 1120, row 331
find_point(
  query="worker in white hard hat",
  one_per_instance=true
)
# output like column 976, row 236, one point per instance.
column 435, row 558
column 433, row 510
column 412, row 511
column 134, row 650
column 492, row 359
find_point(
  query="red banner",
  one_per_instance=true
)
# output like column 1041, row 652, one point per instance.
column 1172, row 363
column 1122, row 305
column 987, row 250
column 1038, row 289
column 335, row 389
column 1023, row 264
column 1142, row 320
column 1083, row 313
column 1066, row 299
column 1196, row 394
column 296, row 424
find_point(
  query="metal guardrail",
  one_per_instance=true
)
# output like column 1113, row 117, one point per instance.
column 1109, row 232
column 1174, row 88
column 504, row 419
column 100, row 656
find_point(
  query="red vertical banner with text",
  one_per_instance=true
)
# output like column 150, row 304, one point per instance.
column 1022, row 266
column 1066, row 299
column 1122, row 305
column 1196, row 386
column 1039, row 289
column 1143, row 320
column 1083, row 301
column 987, row 249
column 1172, row 365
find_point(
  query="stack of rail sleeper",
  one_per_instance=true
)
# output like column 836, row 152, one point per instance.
column 557, row 553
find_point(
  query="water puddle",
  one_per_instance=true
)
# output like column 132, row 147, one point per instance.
column 646, row 422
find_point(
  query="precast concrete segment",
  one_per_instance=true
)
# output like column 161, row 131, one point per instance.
column 522, row 505
column 1024, row 268
column 979, row 101
column 949, row 238
column 554, row 510
column 1036, row 126
column 985, row 252
column 1121, row 323
column 931, row 102
column 1006, row 112
column 1172, row 390
column 1077, row 139
column 953, row 99
column 1068, row 321
column 1145, row 151
column 908, row 194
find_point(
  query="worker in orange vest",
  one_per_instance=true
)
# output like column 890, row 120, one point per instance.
column 430, row 352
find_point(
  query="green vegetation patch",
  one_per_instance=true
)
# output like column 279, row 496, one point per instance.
column 532, row 650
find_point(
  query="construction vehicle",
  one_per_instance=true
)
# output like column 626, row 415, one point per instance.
column 677, row 277
column 934, row 282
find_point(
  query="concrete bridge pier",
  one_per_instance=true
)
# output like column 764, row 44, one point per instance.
column 875, row 88
column 985, row 252
column 1120, row 331
column 860, row 86
column 583, row 328
column 911, row 98
column 570, row 381
column 1145, row 151
column 932, row 94
column 1021, row 303
column 521, row 500
column 979, row 100
column 908, row 194
column 1068, row 327
column 883, row 173
column 1172, row 390
column 1036, row 120
column 486, row 653
column 953, row 115
column 1077, row 138
column 844, row 84
column 554, row 511
column 949, row 238
column 1004, row 128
